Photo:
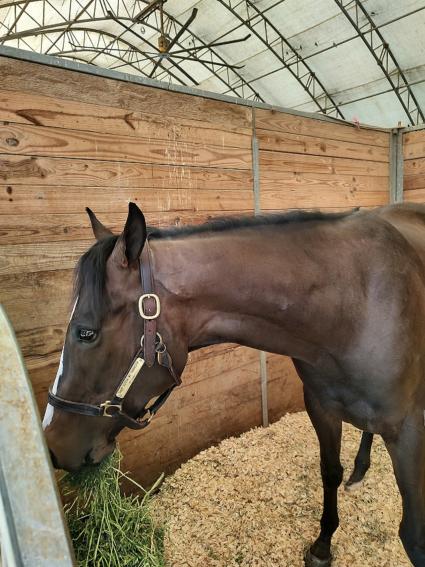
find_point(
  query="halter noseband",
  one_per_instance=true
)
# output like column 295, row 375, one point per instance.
column 151, row 349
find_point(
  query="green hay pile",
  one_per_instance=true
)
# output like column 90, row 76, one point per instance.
column 107, row 528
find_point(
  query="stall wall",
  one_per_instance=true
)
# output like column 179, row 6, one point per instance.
column 70, row 140
column 414, row 166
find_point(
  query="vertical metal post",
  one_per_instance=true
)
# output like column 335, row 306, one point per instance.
column 32, row 528
column 396, row 166
column 257, row 211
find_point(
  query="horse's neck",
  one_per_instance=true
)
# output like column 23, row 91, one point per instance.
column 268, row 291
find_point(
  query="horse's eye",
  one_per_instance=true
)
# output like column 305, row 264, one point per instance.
column 87, row 335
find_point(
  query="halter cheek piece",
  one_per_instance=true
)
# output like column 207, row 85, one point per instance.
column 151, row 349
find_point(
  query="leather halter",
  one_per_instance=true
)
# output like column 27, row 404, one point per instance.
column 151, row 348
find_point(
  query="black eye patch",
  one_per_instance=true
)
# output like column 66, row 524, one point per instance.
column 86, row 335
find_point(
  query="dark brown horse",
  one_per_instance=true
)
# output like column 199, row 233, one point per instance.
column 342, row 294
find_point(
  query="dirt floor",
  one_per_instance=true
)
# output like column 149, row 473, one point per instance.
column 255, row 501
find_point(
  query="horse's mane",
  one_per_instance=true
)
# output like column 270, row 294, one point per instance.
column 224, row 224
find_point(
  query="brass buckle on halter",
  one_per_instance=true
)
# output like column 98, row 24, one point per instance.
column 142, row 310
column 106, row 405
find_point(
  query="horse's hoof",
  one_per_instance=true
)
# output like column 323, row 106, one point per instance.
column 353, row 486
column 311, row 560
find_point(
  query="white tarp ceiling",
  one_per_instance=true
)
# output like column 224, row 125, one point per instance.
column 358, row 59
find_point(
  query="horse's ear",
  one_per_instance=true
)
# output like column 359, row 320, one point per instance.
column 100, row 232
column 130, row 244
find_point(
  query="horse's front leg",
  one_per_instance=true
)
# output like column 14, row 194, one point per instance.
column 328, row 431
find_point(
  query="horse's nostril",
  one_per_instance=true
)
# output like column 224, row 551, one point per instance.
column 53, row 459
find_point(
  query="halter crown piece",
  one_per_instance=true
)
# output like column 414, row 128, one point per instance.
column 152, row 349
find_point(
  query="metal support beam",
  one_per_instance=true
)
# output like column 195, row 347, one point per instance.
column 257, row 211
column 32, row 527
column 384, row 57
column 16, row 20
column 396, row 166
column 279, row 46
column 89, row 35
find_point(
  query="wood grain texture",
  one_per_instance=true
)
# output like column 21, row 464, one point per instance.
column 313, row 145
column 290, row 198
column 416, row 196
column 23, row 139
column 78, row 87
column 298, row 163
column 30, row 108
column 273, row 179
column 42, row 170
column 34, row 257
column 37, row 299
column 414, row 167
column 281, row 122
column 16, row 199
column 414, row 145
column 414, row 182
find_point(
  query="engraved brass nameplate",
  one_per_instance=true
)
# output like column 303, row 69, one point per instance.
column 131, row 376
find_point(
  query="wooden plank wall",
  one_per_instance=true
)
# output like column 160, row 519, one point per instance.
column 414, row 166
column 70, row 140
column 307, row 163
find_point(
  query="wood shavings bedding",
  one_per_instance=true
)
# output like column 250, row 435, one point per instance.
column 256, row 501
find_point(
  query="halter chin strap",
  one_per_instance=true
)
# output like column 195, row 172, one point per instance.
column 151, row 349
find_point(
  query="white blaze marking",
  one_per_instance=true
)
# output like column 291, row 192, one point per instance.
column 48, row 414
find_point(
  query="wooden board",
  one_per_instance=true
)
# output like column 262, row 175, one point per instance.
column 414, row 144
column 24, row 258
column 281, row 122
column 417, row 196
column 30, row 108
column 414, row 166
column 319, row 146
column 412, row 182
column 15, row 199
column 290, row 198
column 298, row 163
column 37, row 299
column 23, row 139
column 318, row 182
column 42, row 170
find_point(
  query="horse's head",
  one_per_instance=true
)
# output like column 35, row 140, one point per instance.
column 108, row 374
